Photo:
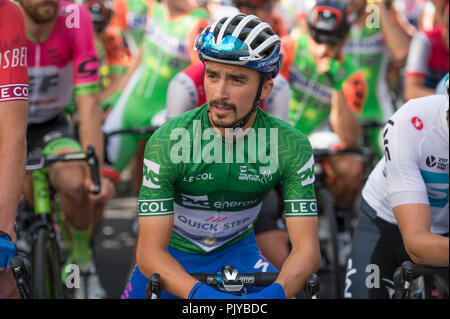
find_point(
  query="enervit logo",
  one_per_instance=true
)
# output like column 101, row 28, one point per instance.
column 307, row 172
column 149, row 167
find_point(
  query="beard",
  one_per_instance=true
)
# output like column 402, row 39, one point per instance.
column 38, row 14
column 221, row 121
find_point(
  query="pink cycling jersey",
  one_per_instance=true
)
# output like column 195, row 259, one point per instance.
column 13, row 53
column 62, row 65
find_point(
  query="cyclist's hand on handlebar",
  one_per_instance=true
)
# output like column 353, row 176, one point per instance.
column 274, row 291
column 7, row 251
column 107, row 190
column 203, row 291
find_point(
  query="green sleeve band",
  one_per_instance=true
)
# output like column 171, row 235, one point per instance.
column 117, row 69
column 86, row 88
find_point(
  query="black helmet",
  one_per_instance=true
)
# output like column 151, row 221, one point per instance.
column 329, row 21
column 101, row 12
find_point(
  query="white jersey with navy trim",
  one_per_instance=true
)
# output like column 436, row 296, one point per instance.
column 415, row 166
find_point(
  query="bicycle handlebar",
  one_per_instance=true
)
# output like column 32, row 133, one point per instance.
column 321, row 153
column 37, row 163
column 416, row 270
column 22, row 271
column 234, row 282
column 410, row 271
column 134, row 130
column 371, row 124
column 258, row 279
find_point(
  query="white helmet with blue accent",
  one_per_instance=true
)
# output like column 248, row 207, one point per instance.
column 241, row 40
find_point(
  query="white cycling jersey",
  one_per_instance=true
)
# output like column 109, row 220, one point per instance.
column 415, row 167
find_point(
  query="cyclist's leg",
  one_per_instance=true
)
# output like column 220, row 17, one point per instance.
column 376, row 247
column 54, row 137
column 344, row 178
column 244, row 255
column 8, row 286
column 270, row 231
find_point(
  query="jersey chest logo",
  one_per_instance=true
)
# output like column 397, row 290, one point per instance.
column 417, row 123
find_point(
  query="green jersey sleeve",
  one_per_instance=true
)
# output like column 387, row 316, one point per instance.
column 159, row 176
column 298, row 177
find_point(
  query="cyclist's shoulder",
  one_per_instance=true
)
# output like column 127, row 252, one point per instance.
column 9, row 12
column 422, row 114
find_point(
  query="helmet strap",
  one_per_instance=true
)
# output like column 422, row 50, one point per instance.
column 241, row 123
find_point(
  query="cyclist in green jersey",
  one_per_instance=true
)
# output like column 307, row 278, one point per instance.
column 326, row 86
column 203, row 188
column 375, row 39
column 171, row 26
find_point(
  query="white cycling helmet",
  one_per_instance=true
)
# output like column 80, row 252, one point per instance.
column 241, row 40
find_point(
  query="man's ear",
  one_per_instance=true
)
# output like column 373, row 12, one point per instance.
column 266, row 89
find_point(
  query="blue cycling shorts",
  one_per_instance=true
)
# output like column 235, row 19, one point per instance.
column 244, row 255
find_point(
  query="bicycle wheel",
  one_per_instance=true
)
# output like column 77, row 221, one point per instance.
column 329, row 225
column 46, row 267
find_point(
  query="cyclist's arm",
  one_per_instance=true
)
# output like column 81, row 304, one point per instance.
column 301, row 212
column 155, row 208
column 396, row 38
column 152, row 255
column 417, row 67
column 13, row 113
column 86, row 86
column 117, row 58
column 304, row 257
column 415, row 87
column 342, row 120
column 408, row 194
column 346, row 98
column 13, row 146
column 90, row 123
column 424, row 247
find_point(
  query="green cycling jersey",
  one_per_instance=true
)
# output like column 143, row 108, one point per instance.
column 215, row 186
column 311, row 92
column 167, row 50
column 368, row 49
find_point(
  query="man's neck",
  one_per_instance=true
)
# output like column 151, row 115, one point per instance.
column 37, row 31
column 175, row 9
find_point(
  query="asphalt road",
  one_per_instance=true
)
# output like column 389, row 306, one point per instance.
column 115, row 245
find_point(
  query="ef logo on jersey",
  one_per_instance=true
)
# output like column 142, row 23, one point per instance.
column 417, row 123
